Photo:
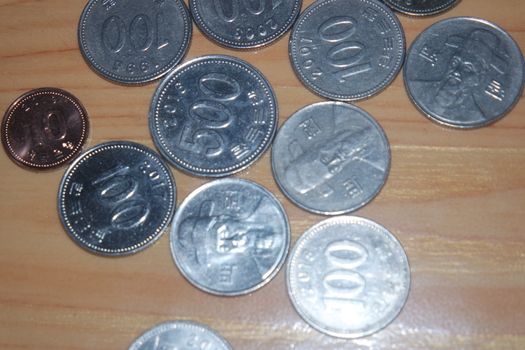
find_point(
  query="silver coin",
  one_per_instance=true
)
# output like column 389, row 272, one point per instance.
column 117, row 198
column 331, row 158
column 245, row 23
column 134, row 41
column 213, row 116
column 180, row 335
column 464, row 72
column 347, row 49
column 421, row 7
column 348, row 277
column 230, row 237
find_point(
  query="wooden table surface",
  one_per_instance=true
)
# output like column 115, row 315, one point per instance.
column 455, row 199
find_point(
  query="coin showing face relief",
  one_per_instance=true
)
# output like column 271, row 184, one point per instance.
column 213, row 116
column 134, row 41
column 348, row 277
column 245, row 23
column 464, row 72
column 230, row 237
column 421, row 7
column 117, row 198
column 331, row 158
column 180, row 335
column 347, row 49
column 44, row 128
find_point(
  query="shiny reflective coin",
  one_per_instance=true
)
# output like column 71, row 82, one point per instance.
column 230, row 237
column 347, row 49
column 213, row 116
column 180, row 335
column 348, row 277
column 331, row 158
column 464, row 72
column 117, row 198
column 134, row 41
column 421, row 7
column 245, row 23
column 44, row 128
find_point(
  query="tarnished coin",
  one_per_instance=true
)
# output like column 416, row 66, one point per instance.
column 421, row 7
column 348, row 277
column 213, row 116
column 117, row 198
column 134, row 41
column 464, row 72
column 331, row 158
column 230, row 237
column 180, row 335
column 44, row 128
column 245, row 23
column 347, row 49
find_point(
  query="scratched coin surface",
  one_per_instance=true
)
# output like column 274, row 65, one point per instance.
column 180, row 335
column 421, row 7
column 134, row 41
column 44, row 128
column 347, row 49
column 348, row 277
column 244, row 23
column 230, row 237
column 213, row 116
column 331, row 158
column 117, row 198
column 464, row 72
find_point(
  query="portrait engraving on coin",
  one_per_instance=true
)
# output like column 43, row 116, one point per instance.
column 465, row 78
column 230, row 237
column 213, row 116
column 330, row 158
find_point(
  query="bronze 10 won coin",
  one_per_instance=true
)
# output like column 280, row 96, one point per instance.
column 44, row 128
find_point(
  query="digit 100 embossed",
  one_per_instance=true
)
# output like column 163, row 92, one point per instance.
column 132, row 41
column 117, row 198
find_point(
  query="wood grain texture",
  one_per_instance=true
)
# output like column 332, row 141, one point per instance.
column 455, row 199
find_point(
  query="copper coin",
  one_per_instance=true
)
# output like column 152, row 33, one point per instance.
column 44, row 128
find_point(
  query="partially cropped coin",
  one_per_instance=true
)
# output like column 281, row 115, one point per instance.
column 134, row 41
column 464, row 72
column 331, row 158
column 230, row 237
column 180, row 335
column 117, row 198
column 245, row 23
column 421, row 7
column 347, row 49
column 348, row 277
column 44, row 128
column 213, row 116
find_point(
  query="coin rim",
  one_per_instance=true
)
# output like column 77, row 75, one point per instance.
column 131, row 81
column 13, row 107
column 292, row 53
column 203, row 188
column 295, row 201
column 433, row 116
column 173, row 325
column 212, row 35
column 66, row 178
column 315, row 229
column 187, row 167
column 420, row 13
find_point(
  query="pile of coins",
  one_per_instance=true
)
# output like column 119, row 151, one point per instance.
column 215, row 115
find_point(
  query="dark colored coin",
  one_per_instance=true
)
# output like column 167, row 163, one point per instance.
column 44, row 128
